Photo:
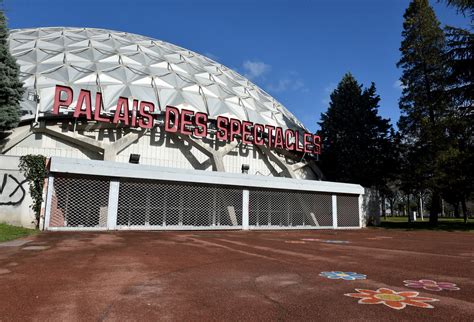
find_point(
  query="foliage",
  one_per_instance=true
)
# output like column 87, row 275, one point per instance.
column 11, row 88
column 8, row 232
column 460, row 60
column 456, row 162
column 464, row 6
column 34, row 169
column 424, row 103
column 357, row 142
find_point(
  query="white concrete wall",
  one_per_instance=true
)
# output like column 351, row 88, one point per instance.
column 158, row 149
column 305, row 173
column 15, row 199
column 162, row 150
column 50, row 146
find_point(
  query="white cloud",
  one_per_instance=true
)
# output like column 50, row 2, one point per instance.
column 330, row 88
column 211, row 56
column 280, row 86
column 327, row 92
column 286, row 84
column 398, row 85
column 290, row 83
column 255, row 69
column 299, row 85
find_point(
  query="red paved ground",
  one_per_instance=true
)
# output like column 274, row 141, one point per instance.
column 184, row 276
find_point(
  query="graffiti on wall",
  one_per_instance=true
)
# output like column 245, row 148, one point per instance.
column 12, row 191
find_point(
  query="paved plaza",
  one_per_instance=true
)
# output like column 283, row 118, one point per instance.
column 369, row 274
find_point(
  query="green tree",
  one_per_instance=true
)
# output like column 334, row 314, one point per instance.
column 424, row 103
column 11, row 88
column 460, row 61
column 356, row 140
column 457, row 162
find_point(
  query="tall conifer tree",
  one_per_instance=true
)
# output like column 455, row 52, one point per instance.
column 457, row 162
column 424, row 102
column 356, row 139
column 11, row 88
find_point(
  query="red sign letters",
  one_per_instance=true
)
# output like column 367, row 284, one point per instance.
column 187, row 122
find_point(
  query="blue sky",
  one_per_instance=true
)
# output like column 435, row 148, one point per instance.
column 295, row 50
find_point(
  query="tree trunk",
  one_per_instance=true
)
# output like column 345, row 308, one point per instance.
column 391, row 207
column 418, row 207
column 464, row 209
column 408, row 208
column 421, row 206
column 435, row 207
column 384, row 212
column 456, row 209
column 442, row 207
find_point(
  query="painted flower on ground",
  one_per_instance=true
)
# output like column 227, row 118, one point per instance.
column 431, row 285
column 391, row 298
column 348, row 276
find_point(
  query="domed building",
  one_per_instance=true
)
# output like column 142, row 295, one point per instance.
column 95, row 94
column 119, row 64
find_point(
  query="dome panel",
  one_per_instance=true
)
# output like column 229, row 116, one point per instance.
column 123, row 64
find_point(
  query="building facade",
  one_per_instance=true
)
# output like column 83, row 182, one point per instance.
column 100, row 95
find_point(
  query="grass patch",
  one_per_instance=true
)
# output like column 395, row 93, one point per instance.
column 8, row 232
column 447, row 224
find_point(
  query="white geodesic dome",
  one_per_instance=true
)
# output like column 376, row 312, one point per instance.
column 129, row 65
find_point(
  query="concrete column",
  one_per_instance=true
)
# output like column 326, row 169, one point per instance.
column 113, row 204
column 334, row 211
column 245, row 209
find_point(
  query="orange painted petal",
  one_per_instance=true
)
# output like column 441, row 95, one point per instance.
column 408, row 293
column 370, row 301
column 419, row 304
column 397, row 305
column 423, row 299
column 357, row 295
column 385, row 291
column 368, row 292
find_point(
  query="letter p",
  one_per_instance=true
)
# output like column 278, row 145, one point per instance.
column 58, row 102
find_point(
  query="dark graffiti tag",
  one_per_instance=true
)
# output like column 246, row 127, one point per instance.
column 15, row 187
